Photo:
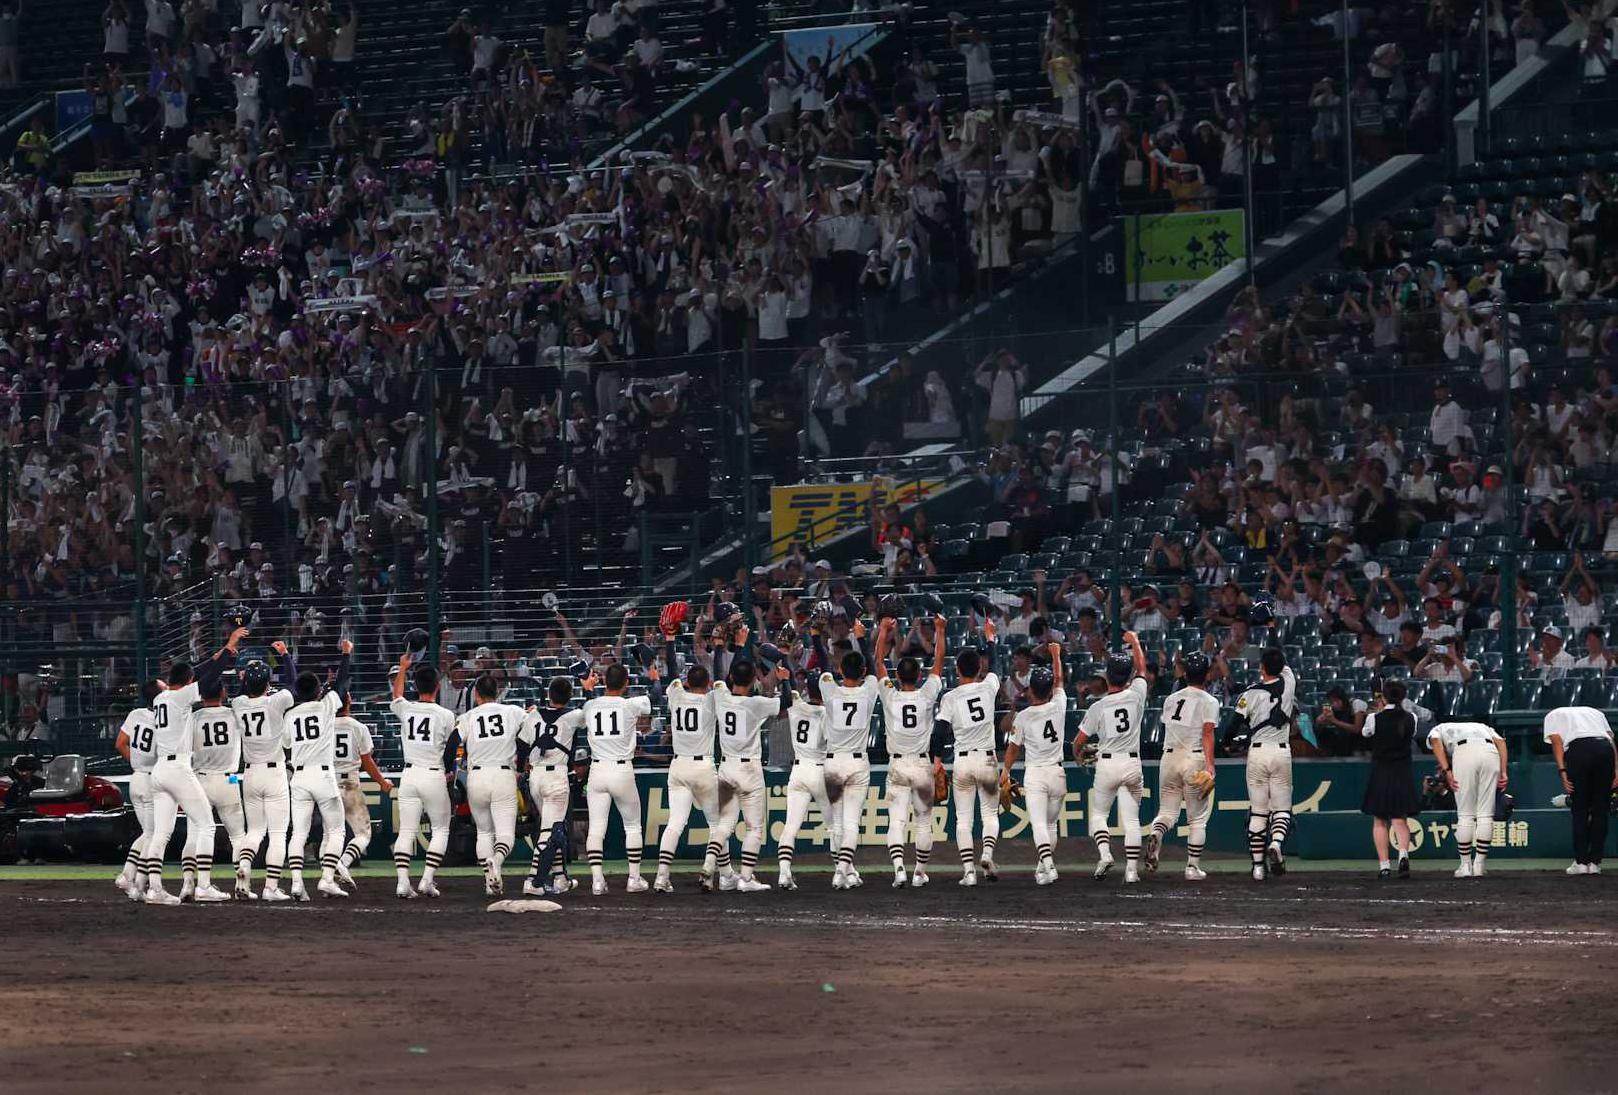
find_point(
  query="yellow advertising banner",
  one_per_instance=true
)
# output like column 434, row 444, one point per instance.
column 814, row 513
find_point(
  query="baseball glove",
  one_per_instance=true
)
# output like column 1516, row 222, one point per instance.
column 1009, row 790
column 672, row 616
column 940, row 786
column 1203, row 781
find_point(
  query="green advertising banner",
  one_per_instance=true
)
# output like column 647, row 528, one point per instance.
column 1326, row 802
column 1167, row 253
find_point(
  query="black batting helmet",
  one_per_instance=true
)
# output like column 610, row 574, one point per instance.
column 256, row 675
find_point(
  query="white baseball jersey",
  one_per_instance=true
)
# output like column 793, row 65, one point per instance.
column 1113, row 722
column 907, row 717
column 1039, row 730
column 808, row 723
column 309, row 732
column 848, row 713
column 424, row 730
column 1453, row 733
column 1184, row 714
column 691, row 718
column 564, row 726
column 969, row 709
column 489, row 734
column 609, row 725
column 171, row 721
column 1571, row 723
column 216, row 740
column 740, row 718
column 263, row 725
column 141, row 728
column 351, row 742
column 1269, row 708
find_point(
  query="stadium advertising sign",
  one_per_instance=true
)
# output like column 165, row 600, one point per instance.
column 814, row 514
column 1167, row 253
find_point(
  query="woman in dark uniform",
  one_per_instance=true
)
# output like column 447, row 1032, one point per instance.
column 1390, row 796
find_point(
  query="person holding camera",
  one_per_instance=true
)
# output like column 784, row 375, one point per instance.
column 1581, row 741
column 1472, row 762
column 1390, row 794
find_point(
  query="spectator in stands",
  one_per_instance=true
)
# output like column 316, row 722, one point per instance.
column 1003, row 377
column 1549, row 657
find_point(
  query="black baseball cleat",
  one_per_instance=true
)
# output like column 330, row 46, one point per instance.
column 1154, row 849
column 1384, row 874
column 1276, row 861
column 1404, row 866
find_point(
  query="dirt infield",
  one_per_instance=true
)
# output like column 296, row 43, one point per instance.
column 1324, row 982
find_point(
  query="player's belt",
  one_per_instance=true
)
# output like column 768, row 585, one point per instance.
column 974, row 753
column 1465, row 741
column 175, row 756
column 856, row 756
column 699, row 760
column 1179, row 749
column 743, row 760
column 311, row 767
column 1109, row 756
column 415, row 767
column 611, row 762
column 549, row 768
column 1271, row 744
column 812, row 763
column 264, row 764
column 491, row 767
column 907, row 756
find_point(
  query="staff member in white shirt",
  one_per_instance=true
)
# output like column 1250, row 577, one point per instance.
column 1581, row 742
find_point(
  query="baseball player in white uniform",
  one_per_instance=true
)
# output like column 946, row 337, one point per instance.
column 738, row 716
column 1037, row 734
column 312, row 743
column 489, row 733
column 908, row 711
column 554, row 727
column 135, row 742
column 1472, row 758
column 1269, row 708
column 352, row 750
column 425, row 728
column 174, row 783
column 1114, row 721
column 968, row 709
column 1187, row 770
column 610, row 722
column 266, row 797
column 216, row 757
column 849, row 705
column 693, row 780
column 807, row 781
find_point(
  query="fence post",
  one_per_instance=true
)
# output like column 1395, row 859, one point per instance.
column 429, row 474
column 1348, row 122
column 1508, row 563
column 1117, row 502
column 138, row 443
column 749, row 517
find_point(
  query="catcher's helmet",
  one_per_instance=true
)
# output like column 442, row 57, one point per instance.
column 931, row 604
column 415, row 641
column 1196, row 666
column 822, row 611
column 235, row 616
column 981, row 604
column 1041, row 681
column 724, row 610
column 1120, row 667
column 256, row 675
column 1261, row 613
column 890, row 606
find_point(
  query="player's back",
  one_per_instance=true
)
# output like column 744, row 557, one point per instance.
column 969, row 709
column 848, row 713
column 309, row 733
column 907, row 716
column 489, row 734
column 610, row 725
column 1040, row 729
column 564, row 724
column 424, row 730
column 352, row 741
column 739, row 719
column 171, row 721
column 691, row 720
column 808, row 728
column 263, row 721
column 141, row 726
column 1185, row 714
column 216, row 740
column 1115, row 719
